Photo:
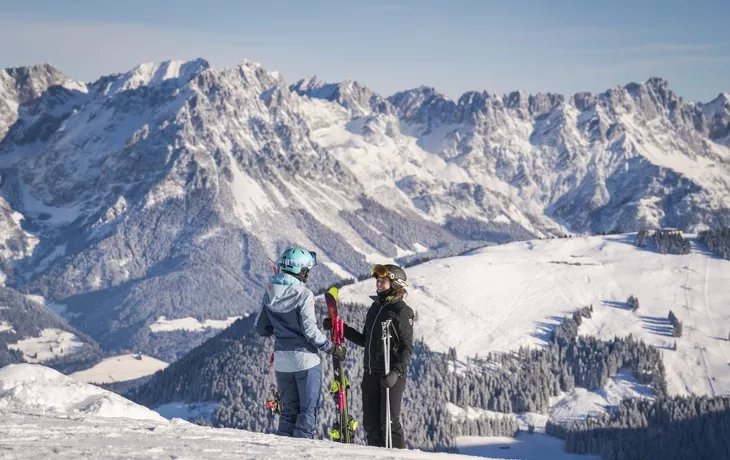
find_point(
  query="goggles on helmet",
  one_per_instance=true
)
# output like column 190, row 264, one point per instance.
column 381, row 271
column 303, row 264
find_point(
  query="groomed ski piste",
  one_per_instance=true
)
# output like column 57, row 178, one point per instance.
column 499, row 298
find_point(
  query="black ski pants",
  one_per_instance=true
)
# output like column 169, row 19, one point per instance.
column 373, row 410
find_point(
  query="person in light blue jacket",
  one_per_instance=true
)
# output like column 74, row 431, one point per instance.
column 287, row 313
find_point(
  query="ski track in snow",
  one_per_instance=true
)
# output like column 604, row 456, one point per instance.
column 691, row 327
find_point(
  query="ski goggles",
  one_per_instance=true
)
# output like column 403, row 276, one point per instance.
column 381, row 271
column 298, row 263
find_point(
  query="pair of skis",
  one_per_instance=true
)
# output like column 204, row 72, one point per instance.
column 340, row 386
column 345, row 427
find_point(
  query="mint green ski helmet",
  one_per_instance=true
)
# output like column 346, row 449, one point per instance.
column 293, row 260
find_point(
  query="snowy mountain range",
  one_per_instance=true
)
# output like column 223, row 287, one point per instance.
column 162, row 191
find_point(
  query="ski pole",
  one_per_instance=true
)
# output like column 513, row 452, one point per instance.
column 386, row 348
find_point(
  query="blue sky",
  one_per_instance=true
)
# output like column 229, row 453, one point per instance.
column 499, row 46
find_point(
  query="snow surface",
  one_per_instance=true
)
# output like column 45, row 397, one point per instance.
column 524, row 446
column 46, row 414
column 39, row 390
column 58, row 215
column 58, row 251
column 5, row 326
column 338, row 270
column 514, row 294
column 10, row 229
column 579, row 403
column 190, row 324
column 187, row 411
column 120, row 368
column 28, row 437
column 50, row 344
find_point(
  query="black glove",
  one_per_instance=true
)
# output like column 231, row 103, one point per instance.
column 327, row 324
column 338, row 351
column 390, row 379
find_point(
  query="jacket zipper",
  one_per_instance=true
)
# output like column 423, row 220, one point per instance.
column 370, row 341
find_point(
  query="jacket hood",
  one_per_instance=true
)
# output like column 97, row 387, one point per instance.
column 283, row 291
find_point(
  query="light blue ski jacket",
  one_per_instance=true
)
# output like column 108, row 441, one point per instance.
column 287, row 313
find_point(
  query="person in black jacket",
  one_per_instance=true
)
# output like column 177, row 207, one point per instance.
column 387, row 304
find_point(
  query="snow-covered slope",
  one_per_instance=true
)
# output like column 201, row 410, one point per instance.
column 499, row 298
column 50, row 344
column 44, row 413
column 28, row 437
column 577, row 404
column 34, row 389
column 189, row 324
column 32, row 332
column 523, row 446
column 119, row 369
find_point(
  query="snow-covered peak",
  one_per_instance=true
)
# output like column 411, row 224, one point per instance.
column 307, row 84
column 254, row 73
column 717, row 117
column 655, row 91
column 351, row 94
column 152, row 73
column 657, row 84
column 31, row 388
column 422, row 93
column 583, row 100
column 410, row 100
column 517, row 100
column 474, row 98
column 28, row 83
column 721, row 102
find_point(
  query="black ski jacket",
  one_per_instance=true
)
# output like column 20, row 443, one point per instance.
column 371, row 336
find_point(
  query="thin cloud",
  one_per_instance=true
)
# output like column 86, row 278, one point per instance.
column 672, row 47
column 650, row 48
column 594, row 32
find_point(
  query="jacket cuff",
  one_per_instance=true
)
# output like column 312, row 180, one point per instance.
column 326, row 346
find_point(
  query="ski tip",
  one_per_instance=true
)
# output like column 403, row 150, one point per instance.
column 334, row 292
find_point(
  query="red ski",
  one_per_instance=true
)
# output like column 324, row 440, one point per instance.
column 345, row 426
